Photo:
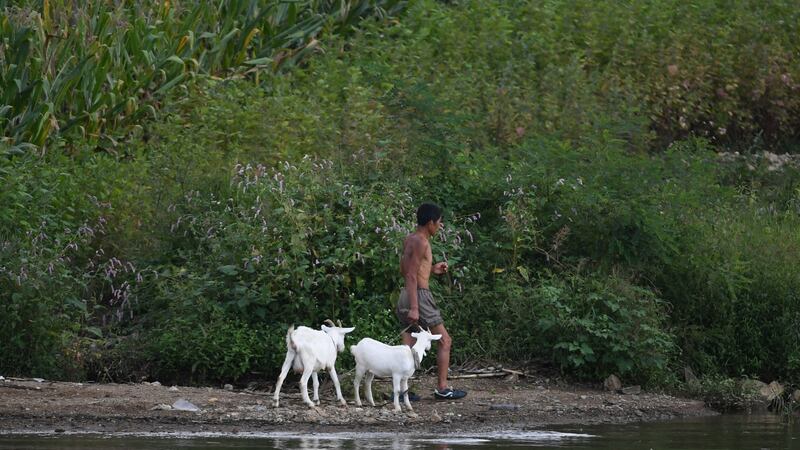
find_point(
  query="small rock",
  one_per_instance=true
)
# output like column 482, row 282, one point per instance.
column 2, row 378
column 435, row 417
column 155, row 383
column 504, row 407
column 184, row 405
column 753, row 386
column 212, row 399
column 173, row 389
column 228, row 387
column 583, row 397
column 771, row 391
column 796, row 395
column 631, row 390
column 38, row 380
column 161, row 407
column 612, row 383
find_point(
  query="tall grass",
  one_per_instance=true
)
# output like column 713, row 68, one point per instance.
column 93, row 70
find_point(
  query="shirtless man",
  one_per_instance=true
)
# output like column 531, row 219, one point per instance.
column 416, row 304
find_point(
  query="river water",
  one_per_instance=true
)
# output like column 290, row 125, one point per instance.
column 758, row 432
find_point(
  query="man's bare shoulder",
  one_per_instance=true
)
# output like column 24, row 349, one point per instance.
column 414, row 242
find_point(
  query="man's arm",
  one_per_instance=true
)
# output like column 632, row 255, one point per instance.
column 412, row 259
column 439, row 268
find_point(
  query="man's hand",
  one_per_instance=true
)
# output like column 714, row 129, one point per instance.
column 413, row 315
column 440, row 268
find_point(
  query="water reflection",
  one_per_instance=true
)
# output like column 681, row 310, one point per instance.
column 364, row 442
column 724, row 432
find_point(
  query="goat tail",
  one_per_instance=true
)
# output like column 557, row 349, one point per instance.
column 353, row 349
column 289, row 343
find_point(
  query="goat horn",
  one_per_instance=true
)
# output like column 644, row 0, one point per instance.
column 340, row 323
column 329, row 321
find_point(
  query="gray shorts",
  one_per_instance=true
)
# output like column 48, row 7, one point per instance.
column 429, row 314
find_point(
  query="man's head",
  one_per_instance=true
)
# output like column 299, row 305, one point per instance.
column 429, row 216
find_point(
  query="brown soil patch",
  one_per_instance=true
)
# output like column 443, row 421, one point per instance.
column 492, row 404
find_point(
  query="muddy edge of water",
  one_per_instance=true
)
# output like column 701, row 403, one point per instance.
column 492, row 404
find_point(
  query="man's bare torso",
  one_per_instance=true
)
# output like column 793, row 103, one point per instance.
column 425, row 261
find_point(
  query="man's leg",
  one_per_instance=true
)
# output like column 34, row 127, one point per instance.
column 407, row 339
column 442, row 354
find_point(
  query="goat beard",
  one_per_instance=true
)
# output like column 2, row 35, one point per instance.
column 417, row 362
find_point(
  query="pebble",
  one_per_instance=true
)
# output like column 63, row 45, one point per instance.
column 228, row 387
column 174, row 389
column 184, row 405
column 631, row 390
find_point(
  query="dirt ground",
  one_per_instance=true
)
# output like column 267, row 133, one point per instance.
column 498, row 403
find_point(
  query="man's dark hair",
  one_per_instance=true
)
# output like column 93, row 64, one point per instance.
column 427, row 212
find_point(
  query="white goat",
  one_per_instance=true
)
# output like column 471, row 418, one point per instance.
column 375, row 358
column 309, row 351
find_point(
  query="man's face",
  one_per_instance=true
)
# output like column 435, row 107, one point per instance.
column 435, row 226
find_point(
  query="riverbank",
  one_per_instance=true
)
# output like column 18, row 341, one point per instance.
column 28, row 406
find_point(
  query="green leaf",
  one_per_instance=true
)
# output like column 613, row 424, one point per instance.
column 258, row 61
column 95, row 331
column 228, row 269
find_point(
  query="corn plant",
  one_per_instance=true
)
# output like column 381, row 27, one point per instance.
column 96, row 69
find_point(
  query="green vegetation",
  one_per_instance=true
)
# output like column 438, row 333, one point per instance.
column 93, row 71
column 590, row 222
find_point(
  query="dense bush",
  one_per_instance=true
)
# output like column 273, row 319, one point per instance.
column 296, row 244
column 587, row 325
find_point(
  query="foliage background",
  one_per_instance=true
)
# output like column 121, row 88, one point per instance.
column 594, row 221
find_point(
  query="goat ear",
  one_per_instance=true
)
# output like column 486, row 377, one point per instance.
column 415, row 335
column 348, row 330
column 324, row 327
column 436, row 337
